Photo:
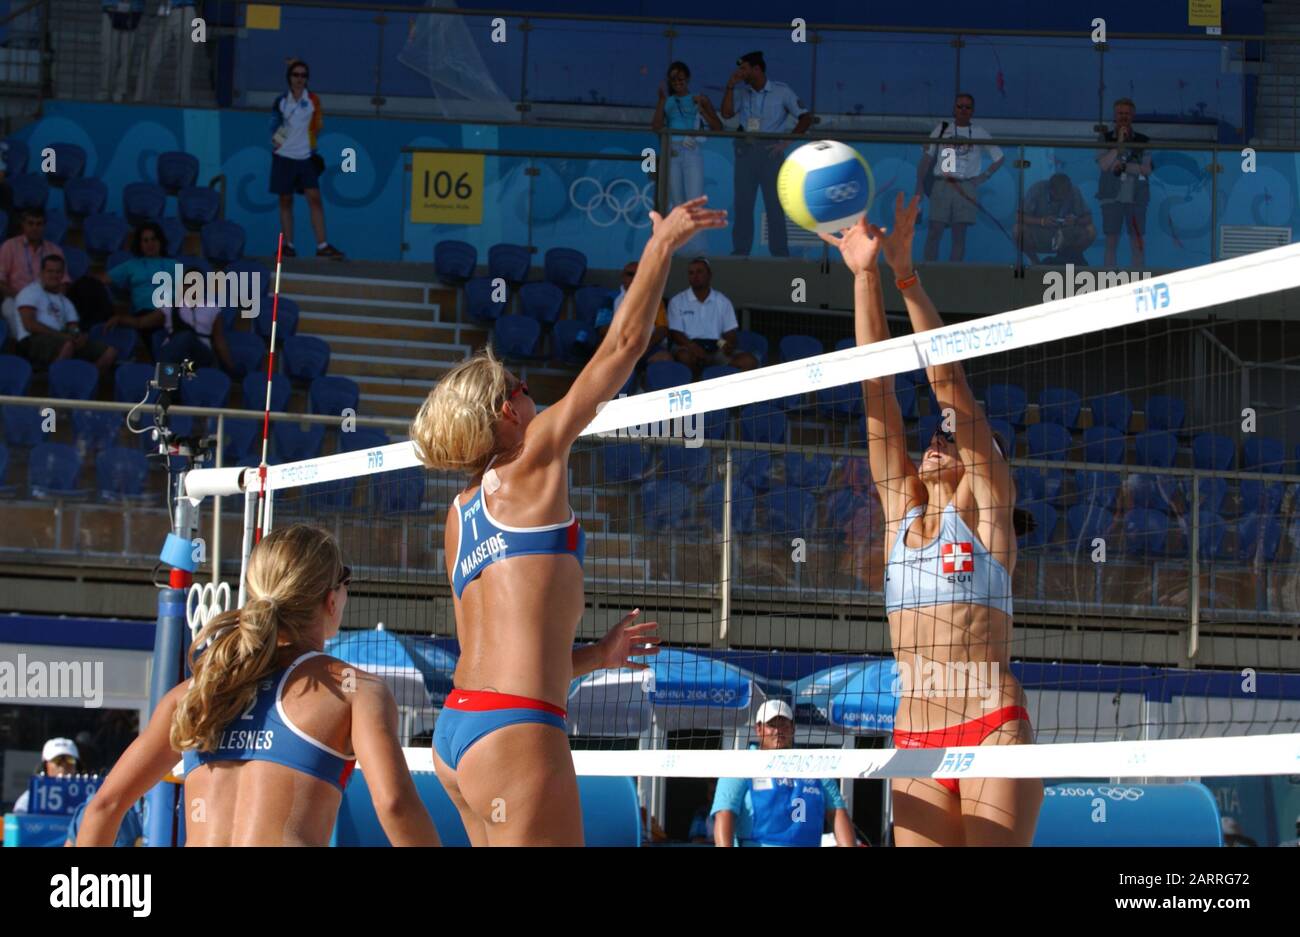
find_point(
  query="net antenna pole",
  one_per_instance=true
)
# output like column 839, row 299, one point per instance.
column 263, row 515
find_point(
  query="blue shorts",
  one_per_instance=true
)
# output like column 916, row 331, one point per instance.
column 469, row 715
column 289, row 176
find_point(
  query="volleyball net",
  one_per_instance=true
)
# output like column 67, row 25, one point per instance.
column 1151, row 431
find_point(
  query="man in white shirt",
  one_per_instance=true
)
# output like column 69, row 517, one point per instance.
column 48, row 329
column 702, row 324
column 950, row 173
column 763, row 106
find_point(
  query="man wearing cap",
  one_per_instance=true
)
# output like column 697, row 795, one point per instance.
column 59, row 758
column 778, row 811
column 763, row 106
column 702, row 325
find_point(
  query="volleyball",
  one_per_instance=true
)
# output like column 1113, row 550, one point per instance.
column 825, row 186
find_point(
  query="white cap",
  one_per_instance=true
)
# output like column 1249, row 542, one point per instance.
column 772, row 709
column 56, row 747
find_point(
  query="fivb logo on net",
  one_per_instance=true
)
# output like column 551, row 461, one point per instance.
column 24, row 679
column 221, row 290
column 686, row 426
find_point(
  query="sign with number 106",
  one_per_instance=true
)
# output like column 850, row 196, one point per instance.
column 447, row 188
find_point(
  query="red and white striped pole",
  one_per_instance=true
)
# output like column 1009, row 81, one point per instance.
column 266, row 411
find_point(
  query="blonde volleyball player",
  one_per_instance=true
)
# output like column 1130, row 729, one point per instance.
column 270, row 726
column 951, row 541
column 514, row 557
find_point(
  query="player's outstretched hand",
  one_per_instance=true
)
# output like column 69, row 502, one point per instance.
column 685, row 221
column 626, row 640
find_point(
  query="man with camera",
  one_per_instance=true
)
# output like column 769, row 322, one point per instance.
column 48, row 328
column 1124, row 188
column 1055, row 220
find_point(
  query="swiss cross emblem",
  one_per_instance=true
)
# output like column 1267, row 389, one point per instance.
column 957, row 557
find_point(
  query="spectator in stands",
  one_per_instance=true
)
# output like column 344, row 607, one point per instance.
column 681, row 110
column 20, row 262
column 1232, row 834
column 949, row 176
column 1123, row 188
column 137, row 275
column 48, row 327
column 1055, row 218
column 130, row 833
column 702, row 324
column 657, row 348
column 59, row 758
column 763, row 106
column 171, row 27
column 196, row 333
column 296, row 119
column 119, row 22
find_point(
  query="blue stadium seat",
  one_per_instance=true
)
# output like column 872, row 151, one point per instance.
column 753, row 343
column 1113, row 410
column 1086, row 522
column 1152, row 491
column 1059, row 405
column 1045, row 516
column 808, row 472
column 22, row 426
column 15, row 375
column 71, row 379
column 242, row 436
column 1213, row 536
column 763, row 422
column 1096, row 487
column 574, row 341
column 1103, row 444
column 248, row 352
column 717, row 423
column 78, row 262
column 1214, row 491
column 305, row 358
column 143, row 201
column 1006, row 402
column 796, row 347
column 84, row 197
column 1004, row 429
column 286, row 314
column 400, row 491
column 787, row 510
column 69, row 163
column 589, row 300
column 209, row 387
column 1260, row 497
column 198, row 206
column 1156, row 448
column 333, row 395
column 1031, row 484
column 624, row 462
column 1146, row 531
column 122, row 337
column 660, row 375
column 254, row 388
column 121, row 472
column 104, row 233
column 541, row 301
column 905, row 391
column 223, row 241
column 718, row 370
column 1049, row 441
column 565, row 267
column 1263, row 454
column 131, row 382
column 926, row 427
column 52, row 470
column 30, row 190
column 843, row 402
column 1165, row 413
column 174, row 237
column 1212, row 452
column 515, row 337
column 1258, row 535
column 16, row 157
column 479, row 303
column 752, row 469
column 177, row 170
column 337, row 495
column 454, row 261
column 365, row 437
column 294, row 442
column 666, row 505
column 689, row 465
column 56, row 226
column 743, row 506
column 510, row 262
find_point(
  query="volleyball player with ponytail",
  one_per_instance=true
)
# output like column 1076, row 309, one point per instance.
column 270, row 726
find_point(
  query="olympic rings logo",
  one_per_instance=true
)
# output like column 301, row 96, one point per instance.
column 842, row 192
column 204, row 603
column 604, row 206
column 1120, row 793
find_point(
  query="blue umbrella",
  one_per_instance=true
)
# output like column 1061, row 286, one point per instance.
column 866, row 701
column 811, row 695
column 418, row 671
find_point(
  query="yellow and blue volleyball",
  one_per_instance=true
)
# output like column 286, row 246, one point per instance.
column 825, row 186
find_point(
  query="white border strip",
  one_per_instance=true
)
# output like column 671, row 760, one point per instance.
column 1170, row 758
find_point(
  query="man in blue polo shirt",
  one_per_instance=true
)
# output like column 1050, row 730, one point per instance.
column 778, row 811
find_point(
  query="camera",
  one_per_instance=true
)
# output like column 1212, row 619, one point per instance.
column 167, row 376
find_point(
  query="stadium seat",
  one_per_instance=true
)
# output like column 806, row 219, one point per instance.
column 717, row 424
column 1103, row 444
column 16, row 157
column 515, row 337
column 753, row 469
column 1214, row 491
column 1260, row 497
column 1045, row 517
column 1212, row 452
column 333, row 395
column 177, row 170
column 1059, row 405
column 84, row 197
column 624, row 462
column 15, row 375
column 1113, row 410
column 479, row 303
column 688, row 465
column 286, row 314
column 78, row 262
column 240, row 439
column 1258, row 535
column 336, row 495
column 223, row 241
column 71, row 379
column 174, row 237
column 660, row 375
column 143, row 201
column 1152, row 491
column 56, row 226
column 1004, row 429
column 1096, row 487
column 121, row 473
column 69, row 163
column 209, row 387
column 398, row 492
column 1005, row 402
column 1086, row 522
column 1263, row 454
column 666, row 505
column 763, row 422
column 22, row 426
column 294, row 442
column 926, row 427
column 718, row 370
column 1049, row 441
column 104, row 233
column 1146, row 531
column 588, row 301
column 1156, row 448
column 122, row 337
column 788, row 510
column 1031, row 484
column 131, row 382
column 254, row 388
column 541, row 301
column 510, row 262
column 305, row 358
column 844, row 402
column 565, row 267
column 574, row 341
column 905, row 391
column 52, row 470
column 743, row 506
column 365, row 437
column 1165, row 413
column 198, row 206
column 796, row 347
column 807, row 472
column 30, row 190
column 454, row 261
column 753, row 343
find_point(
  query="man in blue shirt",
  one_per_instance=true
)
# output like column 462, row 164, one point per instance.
column 763, row 106
column 130, row 833
column 778, row 811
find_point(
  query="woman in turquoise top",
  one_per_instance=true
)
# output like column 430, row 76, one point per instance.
column 137, row 275
column 680, row 110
